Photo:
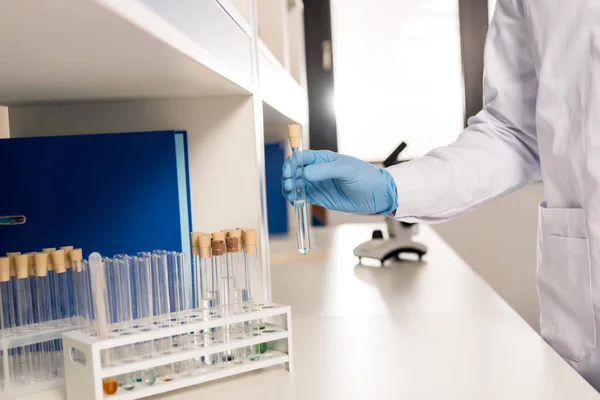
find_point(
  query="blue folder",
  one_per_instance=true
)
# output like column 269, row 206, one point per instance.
column 111, row 193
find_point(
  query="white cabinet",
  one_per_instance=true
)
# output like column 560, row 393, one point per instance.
column 96, row 66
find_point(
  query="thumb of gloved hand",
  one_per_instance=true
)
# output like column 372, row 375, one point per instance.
column 340, row 182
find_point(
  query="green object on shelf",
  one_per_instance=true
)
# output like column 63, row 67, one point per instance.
column 263, row 348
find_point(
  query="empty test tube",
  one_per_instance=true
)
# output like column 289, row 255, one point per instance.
column 222, row 274
column 67, row 250
column 300, row 205
column 236, row 267
column 61, row 286
column 143, row 278
column 208, row 293
column 24, row 317
column 8, row 321
column 122, row 265
column 162, row 308
column 44, row 313
column 13, row 277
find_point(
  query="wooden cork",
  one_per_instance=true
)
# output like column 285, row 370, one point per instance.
column 4, row 269
column 295, row 135
column 58, row 261
column 49, row 251
column 218, row 243
column 194, row 236
column 11, row 256
column 204, row 243
column 67, row 250
column 30, row 265
column 22, row 265
column 250, row 241
column 76, row 255
column 41, row 264
column 233, row 240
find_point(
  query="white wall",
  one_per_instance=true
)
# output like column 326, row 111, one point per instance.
column 4, row 129
column 397, row 74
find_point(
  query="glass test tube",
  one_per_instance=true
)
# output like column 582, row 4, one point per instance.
column 300, row 205
column 61, row 297
column 51, row 277
column 143, row 279
column 101, row 301
column 208, row 293
column 254, row 288
column 180, row 302
column 122, row 265
column 162, row 308
column 67, row 250
column 13, row 278
column 24, row 317
column 7, row 320
column 197, row 340
column 44, row 313
column 61, row 287
column 225, row 277
column 235, row 264
column 39, row 351
column 80, row 291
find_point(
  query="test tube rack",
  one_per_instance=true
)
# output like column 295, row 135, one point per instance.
column 25, row 336
column 84, row 371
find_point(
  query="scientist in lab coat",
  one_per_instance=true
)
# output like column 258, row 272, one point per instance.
column 540, row 120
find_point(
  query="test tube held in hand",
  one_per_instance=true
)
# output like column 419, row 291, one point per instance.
column 299, row 187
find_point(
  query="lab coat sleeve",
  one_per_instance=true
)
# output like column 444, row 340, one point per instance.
column 498, row 151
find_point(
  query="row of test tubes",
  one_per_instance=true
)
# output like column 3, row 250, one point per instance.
column 160, row 289
column 36, row 297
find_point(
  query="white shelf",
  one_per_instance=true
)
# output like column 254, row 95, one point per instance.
column 278, row 89
column 84, row 373
column 268, row 359
column 119, row 49
column 277, row 334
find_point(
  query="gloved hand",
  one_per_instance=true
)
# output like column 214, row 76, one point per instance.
column 342, row 183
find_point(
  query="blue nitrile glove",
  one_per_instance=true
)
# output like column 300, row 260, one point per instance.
column 341, row 183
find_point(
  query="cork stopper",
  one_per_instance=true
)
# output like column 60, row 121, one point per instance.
column 4, row 269
column 250, row 241
column 22, row 265
column 76, row 255
column 58, row 260
column 218, row 243
column 49, row 251
column 234, row 237
column 67, row 250
column 30, row 264
column 195, row 244
column 295, row 135
column 204, row 243
column 11, row 256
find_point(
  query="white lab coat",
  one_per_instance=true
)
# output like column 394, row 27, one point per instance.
column 541, row 118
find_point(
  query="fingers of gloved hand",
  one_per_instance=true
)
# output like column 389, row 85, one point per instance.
column 310, row 157
column 287, row 185
column 323, row 171
column 289, row 166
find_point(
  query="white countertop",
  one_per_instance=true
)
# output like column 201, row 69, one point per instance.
column 431, row 330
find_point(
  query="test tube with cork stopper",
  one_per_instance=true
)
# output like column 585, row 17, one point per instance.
column 299, row 187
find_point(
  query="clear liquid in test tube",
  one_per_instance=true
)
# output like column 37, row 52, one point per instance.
column 299, row 187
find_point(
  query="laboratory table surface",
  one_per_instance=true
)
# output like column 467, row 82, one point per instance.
column 410, row 330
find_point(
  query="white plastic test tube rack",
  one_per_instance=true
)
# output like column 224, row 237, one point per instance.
column 18, row 338
column 84, row 371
